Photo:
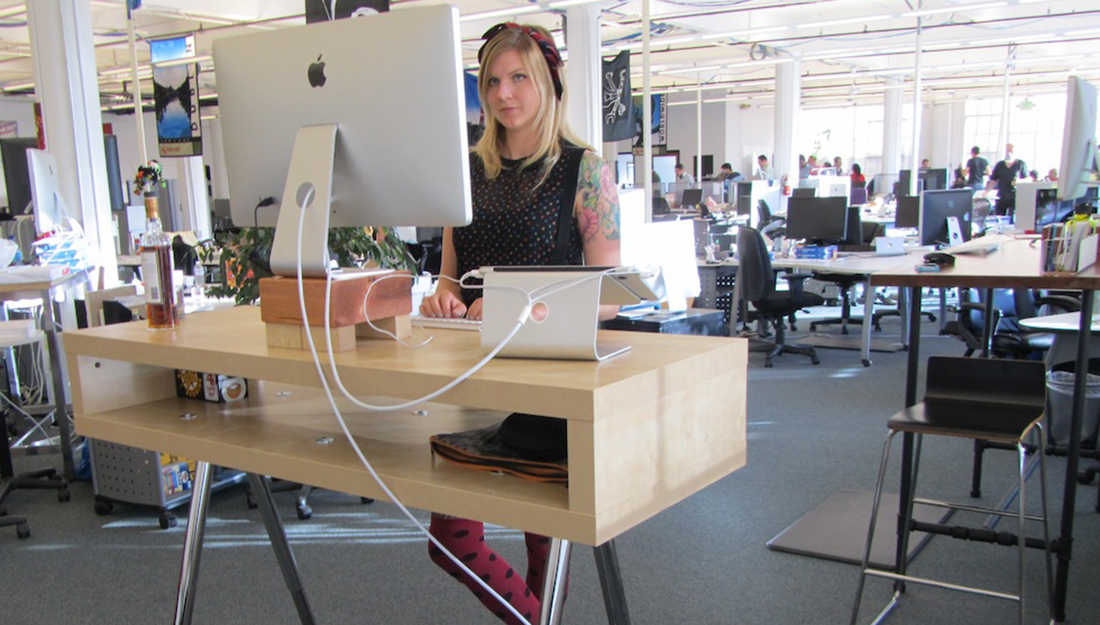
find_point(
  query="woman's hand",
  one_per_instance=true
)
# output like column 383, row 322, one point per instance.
column 444, row 303
column 474, row 311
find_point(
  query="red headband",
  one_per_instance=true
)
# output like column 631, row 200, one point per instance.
column 546, row 46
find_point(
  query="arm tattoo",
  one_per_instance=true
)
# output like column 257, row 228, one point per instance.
column 599, row 201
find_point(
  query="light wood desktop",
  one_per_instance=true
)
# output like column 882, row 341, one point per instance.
column 1014, row 265
column 645, row 429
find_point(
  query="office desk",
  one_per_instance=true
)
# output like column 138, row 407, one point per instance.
column 45, row 290
column 645, row 429
column 1016, row 265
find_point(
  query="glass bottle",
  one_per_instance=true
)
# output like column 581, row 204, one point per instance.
column 156, row 269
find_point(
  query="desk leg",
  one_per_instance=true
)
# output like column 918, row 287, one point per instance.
column 1069, row 498
column 279, row 543
column 901, row 556
column 611, row 582
column 553, row 588
column 58, row 378
column 987, row 325
column 192, row 544
column 868, row 321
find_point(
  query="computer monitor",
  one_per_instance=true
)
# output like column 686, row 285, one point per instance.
column 934, row 178
column 819, row 219
column 362, row 104
column 907, row 212
column 853, row 227
column 803, row 192
column 17, row 178
column 1049, row 209
column 935, row 209
column 691, row 197
column 50, row 213
column 1078, row 139
column 744, row 202
column 858, row 196
column 901, row 188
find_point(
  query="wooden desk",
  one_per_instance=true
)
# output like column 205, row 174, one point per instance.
column 45, row 290
column 1014, row 265
column 645, row 429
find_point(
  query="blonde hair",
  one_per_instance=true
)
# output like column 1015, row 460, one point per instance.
column 550, row 121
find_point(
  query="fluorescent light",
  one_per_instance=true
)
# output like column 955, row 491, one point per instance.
column 18, row 86
column 1078, row 33
column 12, row 11
column 185, row 61
column 849, row 20
column 514, row 11
column 955, row 9
column 745, row 33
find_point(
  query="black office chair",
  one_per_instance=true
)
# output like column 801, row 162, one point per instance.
column 769, row 225
column 1009, row 340
column 758, row 280
column 660, row 206
column 844, row 282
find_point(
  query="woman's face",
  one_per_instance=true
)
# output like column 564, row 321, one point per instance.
column 513, row 97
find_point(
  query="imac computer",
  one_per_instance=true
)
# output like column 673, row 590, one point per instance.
column 822, row 220
column 362, row 120
column 936, row 207
column 1078, row 139
column 50, row 213
column 691, row 198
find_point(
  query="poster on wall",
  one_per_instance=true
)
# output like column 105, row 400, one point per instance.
column 618, row 110
column 175, row 96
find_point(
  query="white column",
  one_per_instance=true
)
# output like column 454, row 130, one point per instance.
column 915, row 157
column 66, row 86
column 192, row 195
column 788, row 103
column 891, row 143
column 582, row 36
column 647, row 116
column 699, row 131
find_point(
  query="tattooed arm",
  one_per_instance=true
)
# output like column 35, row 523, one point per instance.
column 597, row 212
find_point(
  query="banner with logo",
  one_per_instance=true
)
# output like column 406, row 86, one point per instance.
column 328, row 10
column 658, row 125
column 618, row 110
column 175, row 96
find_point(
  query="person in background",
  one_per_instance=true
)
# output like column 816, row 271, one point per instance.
column 803, row 167
column 683, row 176
column 1052, row 175
column 519, row 173
column 858, row 179
column 763, row 171
column 977, row 168
column 838, row 165
column 1004, row 177
column 925, row 164
column 960, row 179
column 725, row 171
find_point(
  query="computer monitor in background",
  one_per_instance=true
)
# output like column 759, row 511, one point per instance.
column 50, row 212
column 820, row 220
column 17, row 178
column 853, row 227
column 1049, row 209
column 691, row 198
column 901, row 188
column 744, row 202
column 366, row 126
column 1078, row 139
column 800, row 192
column 858, row 196
column 907, row 213
column 935, row 209
column 934, row 178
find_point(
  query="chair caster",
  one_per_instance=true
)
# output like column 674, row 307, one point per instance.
column 365, row 500
column 103, row 507
column 304, row 511
column 22, row 531
column 64, row 495
column 815, row 360
column 167, row 520
column 866, row 362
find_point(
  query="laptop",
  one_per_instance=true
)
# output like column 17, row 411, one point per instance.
column 564, row 326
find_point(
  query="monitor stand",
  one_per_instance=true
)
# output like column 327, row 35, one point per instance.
column 309, row 188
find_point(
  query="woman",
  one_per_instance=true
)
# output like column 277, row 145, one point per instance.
column 858, row 180
column 521, row 172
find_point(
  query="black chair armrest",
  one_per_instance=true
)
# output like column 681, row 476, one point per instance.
column 796, row 280
column 1066, row 303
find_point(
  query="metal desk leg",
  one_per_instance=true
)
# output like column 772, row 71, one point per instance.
column 283, row 554
column 1069, row 498
column 611, row 581
column 58, row 378
column 987, row 325
column 553, row 588
column 911, row 374
column 868, row 321
column 192, row 544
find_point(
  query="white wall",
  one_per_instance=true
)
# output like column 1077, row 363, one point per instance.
column 749, row 132
column 942, row 135
column 682, row 133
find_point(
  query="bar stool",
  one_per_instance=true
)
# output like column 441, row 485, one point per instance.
column 15, row 334
column 991, row 399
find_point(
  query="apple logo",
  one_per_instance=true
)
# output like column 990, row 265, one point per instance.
column 317, row 73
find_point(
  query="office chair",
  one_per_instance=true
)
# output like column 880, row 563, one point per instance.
column 844, row 282
column 15, row 334
column 660, row 206
column 758, row 282
column 1001, row 400
column 769, row 225
column 1009, row 340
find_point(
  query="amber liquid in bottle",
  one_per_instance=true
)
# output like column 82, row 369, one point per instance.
column 156, row 269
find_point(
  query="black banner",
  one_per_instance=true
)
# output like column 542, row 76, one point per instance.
column 618, row 113
column 324, row 10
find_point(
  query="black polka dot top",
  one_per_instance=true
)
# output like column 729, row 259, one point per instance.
column 513, row 222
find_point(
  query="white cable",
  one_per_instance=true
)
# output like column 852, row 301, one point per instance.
column 343, row 426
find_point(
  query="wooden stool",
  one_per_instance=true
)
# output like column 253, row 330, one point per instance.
column 990, row 399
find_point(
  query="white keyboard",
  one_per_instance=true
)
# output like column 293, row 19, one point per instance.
column 448, row 323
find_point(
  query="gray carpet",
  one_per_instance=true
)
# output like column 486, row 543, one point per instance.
column 812, row 430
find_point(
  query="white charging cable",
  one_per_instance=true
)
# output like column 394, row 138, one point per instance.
column 343, row 425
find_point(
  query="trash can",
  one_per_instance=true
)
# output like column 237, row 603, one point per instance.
column 1060, row 382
